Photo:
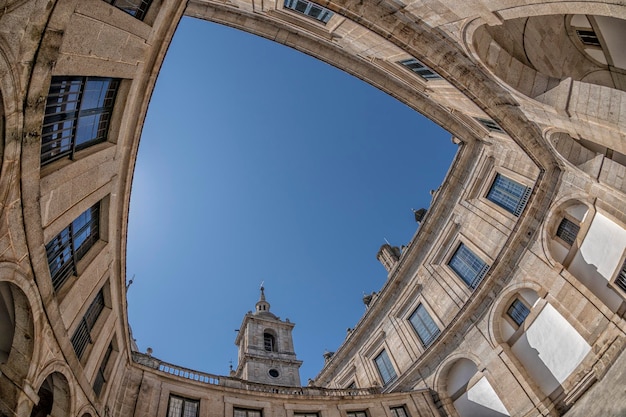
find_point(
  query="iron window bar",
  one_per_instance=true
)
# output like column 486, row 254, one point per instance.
column 424, row 325
column 182, row 407
column 82, row 336
column 588, row 37
column 508, row 194
column 518, row 312
column 385, row 368
column 71, row 244
column 469, row 267
column 567, row 231
column 312, row 10
column 420, row 69
column 77, row 115
column 620, row 281
column 100, row 380
column 490, row 125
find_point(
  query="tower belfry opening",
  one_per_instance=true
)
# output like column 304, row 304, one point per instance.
column 266, row 352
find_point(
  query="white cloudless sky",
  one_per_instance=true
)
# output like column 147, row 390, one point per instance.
column 260, row 163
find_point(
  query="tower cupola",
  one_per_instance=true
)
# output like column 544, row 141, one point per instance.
column 266, row 352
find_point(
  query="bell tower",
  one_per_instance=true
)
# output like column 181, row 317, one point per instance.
column 266, row 353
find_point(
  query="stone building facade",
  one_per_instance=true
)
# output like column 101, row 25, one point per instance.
column 509, row 299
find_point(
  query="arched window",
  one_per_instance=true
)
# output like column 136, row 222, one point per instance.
column 269, row 342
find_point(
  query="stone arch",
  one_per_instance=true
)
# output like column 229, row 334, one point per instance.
column 551, row 75
column 270, row 340
column 19, row 327
column 500, row 305
column 466, row 390
column 596, row 159
column 55, row 398
column 575, row 236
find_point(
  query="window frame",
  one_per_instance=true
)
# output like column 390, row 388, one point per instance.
column 512, row 320
column 491, row 194
column 103, row 371
column 140, row 11
column 490, row 125
column 66, row 105
column 326, row 14
column 474, row 282
column 185, row 400
column 618, row 281
column 432, row 337
column 247, row 411
column 567, row 219
column 357, row 413
column 420, row 69
column 61, row 251
column 83, row 336
column 269, row 337
column 394, row 412
column 386, row 360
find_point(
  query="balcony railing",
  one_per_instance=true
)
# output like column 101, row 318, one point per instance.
column 186, row 373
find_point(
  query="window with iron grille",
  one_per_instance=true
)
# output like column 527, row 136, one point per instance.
column 508, row 194
column 518, row 311
column 82, row 335
column 567, row 231
column 78, row 111
column 245, row 412
column 588, row 37
column 469, row 267
column 71, row 244
column 490, row 125
column 136, row 8
column 620, row 280
column 269, row 342
column 424, row 325
column 399, row 412
column 182, row 407
column 356, row 414
column 100, row 380
column 309, row 9
column 420, row 69
column 385, row 368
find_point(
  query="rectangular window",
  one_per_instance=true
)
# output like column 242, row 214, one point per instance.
column 420, row 69
column 490, row 125
column 424, row 325
column 309, row 9
column 71, row 244
column 182, row 407
column 399, row 412
column 518, row 311
column 469, row 267
column 385, row 368
column 244, row 412
column 509, row 194
column 356, row 414
column 588, row 37
column 82, row 335
column 306, row 415
column 136, row 8
column 567, row 231
column 78, row 111
column 100, row 375
column 620, row 280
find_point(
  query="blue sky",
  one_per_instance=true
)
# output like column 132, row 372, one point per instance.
column 259, row 163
